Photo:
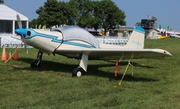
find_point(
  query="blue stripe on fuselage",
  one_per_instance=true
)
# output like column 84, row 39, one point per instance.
column 77, row 44
column 54, row 39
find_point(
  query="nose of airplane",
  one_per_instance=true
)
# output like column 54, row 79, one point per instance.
column 21, row 31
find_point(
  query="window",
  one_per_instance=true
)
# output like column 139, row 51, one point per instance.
column 6, row 26
column 23, row 24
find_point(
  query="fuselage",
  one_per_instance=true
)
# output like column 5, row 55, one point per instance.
column 52, row 41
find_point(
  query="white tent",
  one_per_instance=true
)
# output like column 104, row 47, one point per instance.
column 7, row 13
column 8, row 22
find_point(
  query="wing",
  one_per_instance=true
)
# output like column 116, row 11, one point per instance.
column 116, row 53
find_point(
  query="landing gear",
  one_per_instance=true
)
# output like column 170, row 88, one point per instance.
column 81, row 70
column 77, row 72
column 37, row 62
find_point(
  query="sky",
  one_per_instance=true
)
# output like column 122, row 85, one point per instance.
column 166, row 11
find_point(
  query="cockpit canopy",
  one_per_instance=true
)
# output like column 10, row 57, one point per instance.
column 77, row 33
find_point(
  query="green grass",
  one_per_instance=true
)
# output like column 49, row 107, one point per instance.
column 154, row 85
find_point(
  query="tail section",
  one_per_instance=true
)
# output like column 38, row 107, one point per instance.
column 136, row 39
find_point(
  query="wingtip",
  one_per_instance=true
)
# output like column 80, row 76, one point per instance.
column 163, row 52
column 167, row 53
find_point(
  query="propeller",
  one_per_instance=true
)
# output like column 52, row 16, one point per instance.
column 19, row 21
column 22, row 35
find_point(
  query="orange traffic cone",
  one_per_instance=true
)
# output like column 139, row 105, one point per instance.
column 10, row 56
column 16, row 57
column 3, row 57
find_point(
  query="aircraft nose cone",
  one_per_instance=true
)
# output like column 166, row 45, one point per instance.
column 21, row 31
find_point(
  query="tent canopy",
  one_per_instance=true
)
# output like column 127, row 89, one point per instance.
column 7, row 13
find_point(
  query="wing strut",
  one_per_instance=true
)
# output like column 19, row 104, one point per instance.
column 121, row 57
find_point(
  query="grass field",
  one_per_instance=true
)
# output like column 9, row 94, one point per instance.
column 154, row 85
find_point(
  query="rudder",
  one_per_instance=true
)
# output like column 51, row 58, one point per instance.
column 136, row 39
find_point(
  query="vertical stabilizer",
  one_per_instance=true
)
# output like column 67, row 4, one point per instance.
column 136, row 39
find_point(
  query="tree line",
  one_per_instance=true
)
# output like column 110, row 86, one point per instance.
column 84, row 13
column 1, row 1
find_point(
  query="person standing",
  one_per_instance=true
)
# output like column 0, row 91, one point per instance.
column 107, row 33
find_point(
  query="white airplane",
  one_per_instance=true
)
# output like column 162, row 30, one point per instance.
column 174, row 36
column 75, row 42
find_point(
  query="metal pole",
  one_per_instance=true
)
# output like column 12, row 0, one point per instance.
column 0, row 42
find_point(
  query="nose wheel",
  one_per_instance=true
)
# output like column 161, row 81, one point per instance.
column 37, row 62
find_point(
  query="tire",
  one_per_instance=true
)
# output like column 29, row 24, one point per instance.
column 35, row 63
column 78, row 72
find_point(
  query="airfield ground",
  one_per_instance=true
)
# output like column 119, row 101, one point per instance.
column 154, row 85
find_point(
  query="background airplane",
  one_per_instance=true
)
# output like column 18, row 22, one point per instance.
column 174, row 35
column 75, row 42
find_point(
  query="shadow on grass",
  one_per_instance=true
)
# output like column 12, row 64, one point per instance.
column 92, row 69
column 124, row 63
column 129, row 77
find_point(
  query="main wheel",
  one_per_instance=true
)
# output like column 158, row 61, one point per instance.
column 35, row 63
column 77, row 72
